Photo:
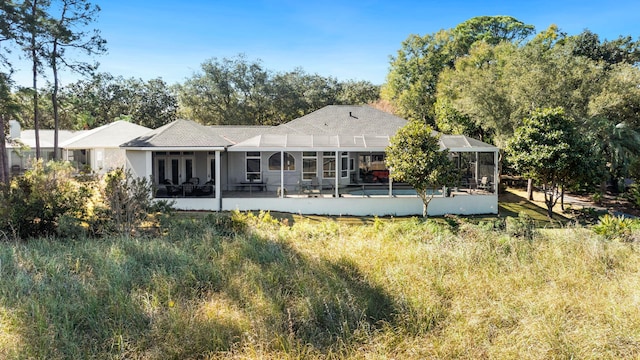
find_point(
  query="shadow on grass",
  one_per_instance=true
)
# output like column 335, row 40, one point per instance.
column 199, row 290
column 510, row 204
column 317, row 302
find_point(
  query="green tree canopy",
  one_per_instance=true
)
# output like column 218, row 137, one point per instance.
column 240, row 91
column 414, row 156
column 549, row 149
column 415, row 70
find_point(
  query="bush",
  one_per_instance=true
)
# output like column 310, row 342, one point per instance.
column 522, row 226
column 633, row 194
column 36, row 201
column 614, row 227
column 49, row 200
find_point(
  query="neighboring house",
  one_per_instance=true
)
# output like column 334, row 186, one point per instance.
column 99, row 149
column 22, row 145
column 328, row 162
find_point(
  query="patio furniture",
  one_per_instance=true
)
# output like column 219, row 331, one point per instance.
column 484, row 183
column 206, row 189
column 172, row 190
column 187, row 188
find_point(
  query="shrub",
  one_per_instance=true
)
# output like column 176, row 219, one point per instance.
column 50, row 200
column 130, row 203
column 633, row 194
column 36, row 201
column 522, row 226
column 614, row 227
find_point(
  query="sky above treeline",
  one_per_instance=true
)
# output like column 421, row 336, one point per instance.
column 348, row 40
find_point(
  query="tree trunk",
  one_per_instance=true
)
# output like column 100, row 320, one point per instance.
column 530, row 189
column 4, row 162
column 426, row 199
column 562, row 199
column 34, row 58
column 54, row 100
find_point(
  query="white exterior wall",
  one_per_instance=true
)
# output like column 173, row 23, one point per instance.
column 113, row 159
column 139, row 163
column 371, row 206
column 194, row 203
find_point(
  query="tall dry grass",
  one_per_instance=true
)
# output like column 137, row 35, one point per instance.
column 245, row 286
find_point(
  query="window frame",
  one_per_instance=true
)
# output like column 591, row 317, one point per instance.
column 309, row 156
column 253, row 175
column 289, row 161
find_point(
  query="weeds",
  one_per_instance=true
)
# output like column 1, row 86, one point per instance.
column 237, row 285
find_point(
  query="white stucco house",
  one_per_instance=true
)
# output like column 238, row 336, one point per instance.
column 21, row 145
column 97, row 150
column 328, row 162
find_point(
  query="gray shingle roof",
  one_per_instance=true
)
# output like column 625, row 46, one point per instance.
column 236, row 134
column 106, row 136
column 344, row 120
column 28, row 137
column 332, row 127
column 180, row 134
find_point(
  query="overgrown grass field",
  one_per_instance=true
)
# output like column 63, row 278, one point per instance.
column 243, row 286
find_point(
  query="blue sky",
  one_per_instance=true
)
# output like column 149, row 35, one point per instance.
column 343, row 39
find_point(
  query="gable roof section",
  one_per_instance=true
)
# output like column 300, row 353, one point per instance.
column 28, row 137
column 180, row 135
column 106, row 136
column 344, row 120
column 235, row 134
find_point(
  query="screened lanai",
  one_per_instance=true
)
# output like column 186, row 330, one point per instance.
column 346, row 165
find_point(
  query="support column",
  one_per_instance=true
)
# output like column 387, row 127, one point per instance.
column 338, row 168
column 218, row 190
column 496, row 175
column 281, row 174
column 476, row 174
column 148, row 162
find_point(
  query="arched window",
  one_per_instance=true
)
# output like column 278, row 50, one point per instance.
column 289, row 162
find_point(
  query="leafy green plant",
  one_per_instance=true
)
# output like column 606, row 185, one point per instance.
column 597, row 198
column 614, row 227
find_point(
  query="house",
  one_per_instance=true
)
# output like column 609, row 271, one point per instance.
column 21, row 146
column 328, row 162
column 97, row 150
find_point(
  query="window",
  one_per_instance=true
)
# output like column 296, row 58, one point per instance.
column 309, row 165
column 344, row 165
column 328, row 164
column 289, row 162
column 254, row 168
